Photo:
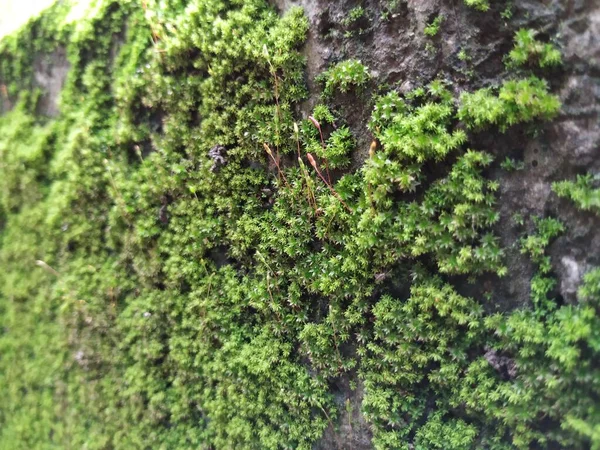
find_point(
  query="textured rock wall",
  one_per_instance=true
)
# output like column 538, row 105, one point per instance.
column 389, row 39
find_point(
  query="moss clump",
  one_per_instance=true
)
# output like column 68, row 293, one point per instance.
column 480, row 5
column 354, row 15
column 118, row 198
column 418, row 132
column 321, row 136
column 437, row 357
column 517, row 101
column 433, row 28
column 343, row 76
column 581, row 191
column 529, row 49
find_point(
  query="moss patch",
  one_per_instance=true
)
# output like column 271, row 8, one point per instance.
column 190, row 263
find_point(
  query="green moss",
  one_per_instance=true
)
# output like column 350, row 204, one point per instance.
column 417, row 351
column 480, row 5
column 420, row 132
column 517, row 101
column 173, row 279
column 355, row 14
column 534, row 245
column 339, row 146
column 421, row 374
column 508, row 11
column 464, row 56
column 529, row 49
column 511, row 165
column 433, row 28
column 95, row 180
column 343, row 76
column 25, row 149
column 581, row 192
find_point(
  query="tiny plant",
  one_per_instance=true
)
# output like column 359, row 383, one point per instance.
column 354, row 15
column 581, row 191
column 518, row 219
column 528, row 49
column 479, row 5
column 390, row 8
column 464, row 56
column 433, row 28
column 511, row 165
column 507, row 12
column 313, row 163
column 535, row 244
column 517, row 101
column 344, row 76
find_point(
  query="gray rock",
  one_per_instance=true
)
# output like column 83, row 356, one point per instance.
column 50, row 73
column 571, row 277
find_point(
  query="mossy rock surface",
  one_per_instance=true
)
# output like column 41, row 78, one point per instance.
column 301, row 225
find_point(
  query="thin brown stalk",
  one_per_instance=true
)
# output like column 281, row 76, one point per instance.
column 4, row 94
column 372, row 149
column 273, row 306
column 369, row 193
column 278, row 109
column 333, row 191
column 276, row 95
column 138, row 152
column 155, row 36
column 318, row 126
column 297, row 134
column 312, row 201
column 270, row 153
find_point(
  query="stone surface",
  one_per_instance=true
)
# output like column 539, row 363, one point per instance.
column 391, row 42
column 50, row 73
